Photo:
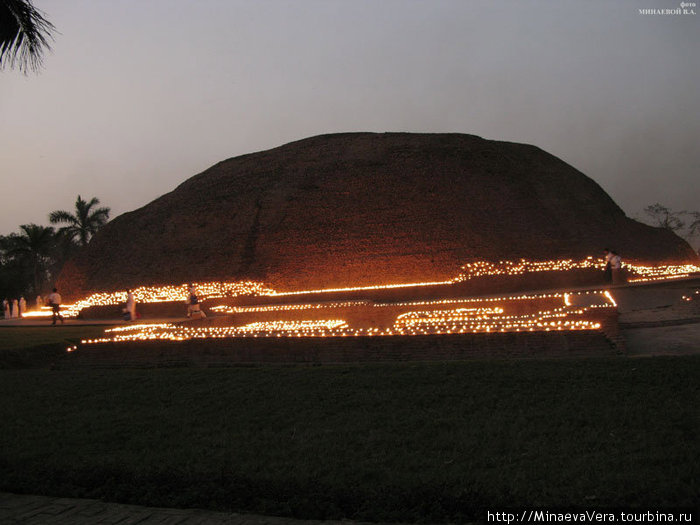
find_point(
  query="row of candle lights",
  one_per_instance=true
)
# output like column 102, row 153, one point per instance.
column 213, row 290
column 480, row 316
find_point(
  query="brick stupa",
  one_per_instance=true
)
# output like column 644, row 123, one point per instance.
column 363, row 208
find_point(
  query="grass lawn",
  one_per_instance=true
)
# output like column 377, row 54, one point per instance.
column 38, row 346
column 404, row 441
column 15, row 337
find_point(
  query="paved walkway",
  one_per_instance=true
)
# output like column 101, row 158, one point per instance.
column 43, row 510
column 663, row 340
column 661, row 320
column 29, row 321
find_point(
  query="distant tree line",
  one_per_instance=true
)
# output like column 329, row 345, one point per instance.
column 33, row 257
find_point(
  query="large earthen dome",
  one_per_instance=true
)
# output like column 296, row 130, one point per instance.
column 364, row 208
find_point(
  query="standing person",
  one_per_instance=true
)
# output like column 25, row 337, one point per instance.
column 607, row 272
column 193, row 309
column 55, row 304
column 130, row 306
column 22, row 306
column 192, row 300
column 39, row 302
column 6, row 308
column 616, row 268
column 15, row 309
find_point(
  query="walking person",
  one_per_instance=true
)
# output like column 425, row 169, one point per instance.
column 55, row 304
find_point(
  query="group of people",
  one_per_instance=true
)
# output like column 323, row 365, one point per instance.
column 14, row 309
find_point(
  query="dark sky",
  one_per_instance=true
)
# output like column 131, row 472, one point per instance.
column 139, row 95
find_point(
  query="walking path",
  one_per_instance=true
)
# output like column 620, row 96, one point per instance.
column 29, row 321
column 681, row 339
column 44, row 510
column 660, row 319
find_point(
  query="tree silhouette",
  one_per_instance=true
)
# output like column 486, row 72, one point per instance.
column 694, row 226
column 24, row 35
column 82, row 224
column 31, row 248
column 664, row 217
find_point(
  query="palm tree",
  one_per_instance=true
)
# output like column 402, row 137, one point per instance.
column 32, row 248
column 24, row 35
column 84, row 223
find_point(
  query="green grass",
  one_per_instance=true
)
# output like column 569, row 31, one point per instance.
column 40, row 346
column 409, row 442
column 13, row 338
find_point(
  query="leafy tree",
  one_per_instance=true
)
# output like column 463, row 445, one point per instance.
column 82, row 224
column 24, row 35
column 676, row 221
column 14, row 279
column 694, row 227
column 664, row 217
column 27, row 255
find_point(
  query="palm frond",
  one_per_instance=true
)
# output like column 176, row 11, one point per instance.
column 69, row 232
column 84, row 223
column 24, row 35
column 59, row 216
column 33, row 240
column 101, row 213
column 93, row 202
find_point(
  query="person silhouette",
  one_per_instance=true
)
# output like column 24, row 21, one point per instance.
column 55, row 304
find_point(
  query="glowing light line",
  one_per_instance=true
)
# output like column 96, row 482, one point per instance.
column 361, row 288
column 458, row 320
column 637, row 273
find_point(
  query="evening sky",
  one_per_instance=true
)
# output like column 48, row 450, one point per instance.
column 136, row 96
